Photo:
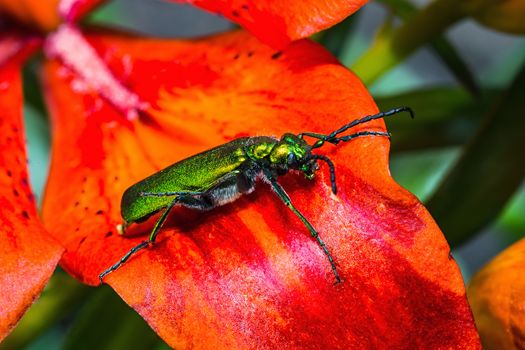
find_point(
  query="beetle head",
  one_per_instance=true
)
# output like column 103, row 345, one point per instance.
column 292, row 152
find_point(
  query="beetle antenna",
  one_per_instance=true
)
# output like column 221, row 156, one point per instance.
column 332, row 169
column 332, row 137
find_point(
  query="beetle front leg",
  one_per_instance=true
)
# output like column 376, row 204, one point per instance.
column 281, row 193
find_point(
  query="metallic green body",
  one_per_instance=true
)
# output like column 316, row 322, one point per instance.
column 198, row 173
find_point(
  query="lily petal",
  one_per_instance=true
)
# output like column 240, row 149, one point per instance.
column 28, row 255
column 497, row 294
column 277, row 23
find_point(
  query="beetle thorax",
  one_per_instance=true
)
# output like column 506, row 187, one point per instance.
column 290, row 150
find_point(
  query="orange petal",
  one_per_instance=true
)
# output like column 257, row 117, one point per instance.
column 497, row 295
column 27, row 255
column 40, row 14
column 49, row 14
column 276, row 23
column 248, row 274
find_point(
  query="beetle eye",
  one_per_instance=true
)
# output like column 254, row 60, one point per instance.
column 292, row 160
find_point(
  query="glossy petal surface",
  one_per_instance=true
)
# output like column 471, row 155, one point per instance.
column 248, row 274
column 27, row 255
column 497, row 295
column 276, row 23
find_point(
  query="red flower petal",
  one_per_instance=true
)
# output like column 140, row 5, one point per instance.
column 248, row 274
column 27, row 255
column 276, row 23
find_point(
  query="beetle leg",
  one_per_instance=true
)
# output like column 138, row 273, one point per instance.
column 279, row 190
column 133, row 250
column 162, row 218
column 143, row 244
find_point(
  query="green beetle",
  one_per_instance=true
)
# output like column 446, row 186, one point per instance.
column 224, row 173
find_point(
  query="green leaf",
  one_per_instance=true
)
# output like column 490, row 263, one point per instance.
column 337, row 37
column 513, row 219
column 106, row 322
column 444, row 117
column 440, row 45
column 32, row 89
column 488, row 173
column 420, row 29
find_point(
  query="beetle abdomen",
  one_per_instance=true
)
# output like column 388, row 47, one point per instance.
column 214, row 174
column 228, row 190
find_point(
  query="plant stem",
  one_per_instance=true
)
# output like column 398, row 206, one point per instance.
column 389, row 50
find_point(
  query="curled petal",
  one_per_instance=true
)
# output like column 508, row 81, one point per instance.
column 277, row 23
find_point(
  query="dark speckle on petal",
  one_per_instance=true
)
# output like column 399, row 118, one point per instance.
column 277, row 55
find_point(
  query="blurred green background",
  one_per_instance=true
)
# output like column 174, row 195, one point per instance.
column 463, row 155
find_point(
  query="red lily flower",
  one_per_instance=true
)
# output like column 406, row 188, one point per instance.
column 247, row 274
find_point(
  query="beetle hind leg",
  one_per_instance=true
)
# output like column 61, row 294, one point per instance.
column 187, row 200
column 143, row 244
column 133, row 250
